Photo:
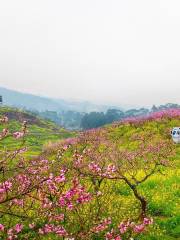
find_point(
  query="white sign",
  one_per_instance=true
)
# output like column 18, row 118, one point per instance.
column 175, row 133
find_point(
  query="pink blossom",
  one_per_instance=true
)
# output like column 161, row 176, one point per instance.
column 18, row 135
column 154, row 116
column 117, row 238
column 51, row 228
column 6, row 186
column 70, row 206
column 148, row 221
column 94, row 167
column 123, row 227
column 78, row 159
column 24, row 182
column 51, row 186
column 85, row 197
column 112, row 236
column 102, row 226
column 111, row 168
column 48, row 228
column 60, row 178
column 60, row 231
column 46, row 203
column 139, row 228
column 1, row 227
column 18, row 202
column 18, row 228
column 62, row 202
column 65, row 147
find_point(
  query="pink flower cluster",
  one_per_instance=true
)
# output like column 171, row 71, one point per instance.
column 12, row 232
column 45, row 203
column 43, row 190
column 61, row 178
column 171, row 113
column 78, row 159
column 76, row 195
column 2, row 227
column 5, row 187
column 51, row 228
column 38, row 167
column 109, row 171
column 127, row 226
column 102, row 226
column 123, row 227
column 94, row 167
column 51, row 182
column 24, row 182
column 137, row 228
column 18, row 202
column 112, row 235
column 18, row 135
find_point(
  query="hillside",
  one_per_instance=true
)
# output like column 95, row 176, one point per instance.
column 40, row 131
column 160, row 189
column 33, row 102
column 119, row 182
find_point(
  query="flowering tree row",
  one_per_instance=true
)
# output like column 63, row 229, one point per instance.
column 159, row 115
column 69, row 196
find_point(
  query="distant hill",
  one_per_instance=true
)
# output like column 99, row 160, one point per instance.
column 74, row 115
column 33, row 102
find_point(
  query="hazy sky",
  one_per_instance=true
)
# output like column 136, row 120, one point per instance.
column 106, row 51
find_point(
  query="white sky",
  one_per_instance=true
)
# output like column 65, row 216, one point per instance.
column 106, row 51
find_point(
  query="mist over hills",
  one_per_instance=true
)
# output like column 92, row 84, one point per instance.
column 34, row 102
column 74, row 115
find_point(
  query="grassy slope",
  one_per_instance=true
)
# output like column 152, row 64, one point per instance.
column 160, row 190
column 40, row 131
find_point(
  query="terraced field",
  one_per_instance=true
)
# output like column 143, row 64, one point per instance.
column 40, row 131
